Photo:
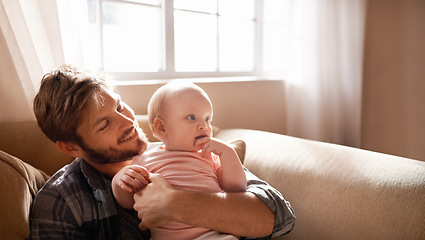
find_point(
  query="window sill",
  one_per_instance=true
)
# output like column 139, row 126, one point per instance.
column 199, row 80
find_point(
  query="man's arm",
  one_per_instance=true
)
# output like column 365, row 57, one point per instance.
column 284, row 214
column 158, row 203
column 227, row 213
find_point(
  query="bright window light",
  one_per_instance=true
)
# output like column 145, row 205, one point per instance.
column 236, row 45
column 195, row 42
column 145, row 39
column 125, row 45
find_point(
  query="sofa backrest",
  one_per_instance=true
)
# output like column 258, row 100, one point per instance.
column 26, row 141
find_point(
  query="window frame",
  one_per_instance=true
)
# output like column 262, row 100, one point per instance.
column 167, row 68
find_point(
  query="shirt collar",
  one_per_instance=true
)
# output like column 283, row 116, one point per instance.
column 95, row 179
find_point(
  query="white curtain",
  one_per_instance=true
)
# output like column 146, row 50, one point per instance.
column 30, row 45
column 324, row 82
column 77, row 34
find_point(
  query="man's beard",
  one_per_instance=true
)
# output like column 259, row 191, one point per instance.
column 111, row 155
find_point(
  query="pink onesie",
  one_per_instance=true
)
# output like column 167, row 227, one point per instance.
column 187, row 171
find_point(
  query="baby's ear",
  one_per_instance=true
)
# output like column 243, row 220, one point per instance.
column 158, row 128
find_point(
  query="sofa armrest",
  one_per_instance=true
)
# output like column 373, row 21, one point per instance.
column 20, row 182
column 339, row 192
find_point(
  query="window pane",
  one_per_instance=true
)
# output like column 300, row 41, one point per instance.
column 275, row 44
column 236, row 45
column 208, row 6
column 131, row 37
column 276, row 11
column 195, row 42
column 237, row 8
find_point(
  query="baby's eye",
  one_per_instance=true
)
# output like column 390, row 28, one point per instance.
column 191, row 117
column 208, row 119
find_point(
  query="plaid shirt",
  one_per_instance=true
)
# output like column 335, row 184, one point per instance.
column 77, row 203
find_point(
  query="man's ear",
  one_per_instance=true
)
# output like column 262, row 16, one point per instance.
column 158, row 127
column 70, row 148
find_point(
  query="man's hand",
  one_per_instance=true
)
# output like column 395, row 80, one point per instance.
column 154, row 202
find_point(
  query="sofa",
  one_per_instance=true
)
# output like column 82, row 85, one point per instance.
column 337, row 192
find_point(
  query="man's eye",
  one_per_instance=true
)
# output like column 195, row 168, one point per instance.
column 105, row 126
column 120, row 108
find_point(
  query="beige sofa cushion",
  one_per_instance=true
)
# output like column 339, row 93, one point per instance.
column 339, row 192
column 19, row 184
column 240, row 148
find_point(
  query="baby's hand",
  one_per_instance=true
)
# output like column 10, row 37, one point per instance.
column 216, row 146
column 132, row 178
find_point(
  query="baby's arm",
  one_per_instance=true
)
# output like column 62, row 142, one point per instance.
column 128, row 181
column 231, row 174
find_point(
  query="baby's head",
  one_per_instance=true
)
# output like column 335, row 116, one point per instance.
column 180, row 113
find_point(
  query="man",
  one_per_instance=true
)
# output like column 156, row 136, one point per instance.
column 86, row 119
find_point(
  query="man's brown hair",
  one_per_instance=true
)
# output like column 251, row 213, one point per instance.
column 63, row 96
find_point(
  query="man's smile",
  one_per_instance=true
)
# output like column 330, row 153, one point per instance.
column 127, row 135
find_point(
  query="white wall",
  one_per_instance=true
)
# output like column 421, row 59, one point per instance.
column 237, row 104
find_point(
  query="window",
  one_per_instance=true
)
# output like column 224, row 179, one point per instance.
column 145, row 39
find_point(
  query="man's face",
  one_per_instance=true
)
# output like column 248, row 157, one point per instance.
column 110, row 132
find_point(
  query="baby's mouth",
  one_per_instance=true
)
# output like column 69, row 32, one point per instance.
column 201, row 136
column 198, row 137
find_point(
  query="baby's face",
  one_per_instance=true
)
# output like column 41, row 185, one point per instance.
column 187, row 118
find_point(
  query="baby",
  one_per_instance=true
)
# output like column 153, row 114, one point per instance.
column 180, row 115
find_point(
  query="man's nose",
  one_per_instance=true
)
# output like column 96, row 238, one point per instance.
column 125, row 121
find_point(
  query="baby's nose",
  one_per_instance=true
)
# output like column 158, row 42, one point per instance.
column 202, row 125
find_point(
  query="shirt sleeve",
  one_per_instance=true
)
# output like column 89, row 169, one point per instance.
column 284, row 214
